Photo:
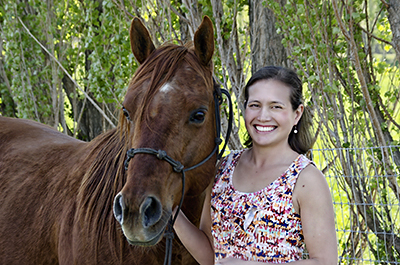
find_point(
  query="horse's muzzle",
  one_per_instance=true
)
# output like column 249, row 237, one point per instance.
column 150, row 214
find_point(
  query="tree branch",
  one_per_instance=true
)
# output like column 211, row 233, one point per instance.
column 373, row 36
column 69, row 76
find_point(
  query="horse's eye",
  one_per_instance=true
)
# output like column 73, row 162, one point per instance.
column 126, row 114
column 198, row 116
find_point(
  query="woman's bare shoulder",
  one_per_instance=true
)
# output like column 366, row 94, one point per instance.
column 311, row 183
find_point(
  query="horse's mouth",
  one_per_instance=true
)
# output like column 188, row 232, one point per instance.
column 148, row 243
column 147, row 237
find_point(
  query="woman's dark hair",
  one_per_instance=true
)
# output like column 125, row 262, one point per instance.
column 300, row 142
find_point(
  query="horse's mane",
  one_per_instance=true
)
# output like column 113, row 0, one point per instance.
column 100, row 184
column 106, row 174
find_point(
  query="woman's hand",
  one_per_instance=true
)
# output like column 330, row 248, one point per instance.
column 197, row 240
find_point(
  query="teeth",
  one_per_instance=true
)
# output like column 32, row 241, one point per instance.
column 264, row 129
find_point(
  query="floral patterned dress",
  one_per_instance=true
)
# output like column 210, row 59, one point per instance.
column 259, row 226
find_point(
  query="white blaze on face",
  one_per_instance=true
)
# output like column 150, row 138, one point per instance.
column 166, row 88
column 161, row 98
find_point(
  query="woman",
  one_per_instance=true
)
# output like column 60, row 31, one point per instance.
column 268, row 201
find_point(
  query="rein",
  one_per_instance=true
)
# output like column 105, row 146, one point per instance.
column 179, row 168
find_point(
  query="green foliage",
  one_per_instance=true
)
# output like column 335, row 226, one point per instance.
column 111, row 61
column 24, row 61
column 325, row 59
column 89, row 38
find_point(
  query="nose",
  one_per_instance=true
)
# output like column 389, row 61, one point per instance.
column 264, row 114
column 150, row 211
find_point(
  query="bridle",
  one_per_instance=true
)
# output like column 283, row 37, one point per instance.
column 179, row 168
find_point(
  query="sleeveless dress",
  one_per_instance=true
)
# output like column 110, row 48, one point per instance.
column 260, row 226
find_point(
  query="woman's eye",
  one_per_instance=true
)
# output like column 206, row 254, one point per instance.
column 277, row 107
column 197, row 116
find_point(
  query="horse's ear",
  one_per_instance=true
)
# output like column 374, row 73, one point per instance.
column 204, row 41
column 141, row 44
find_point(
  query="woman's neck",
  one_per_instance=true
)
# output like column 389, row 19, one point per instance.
column 265, row 156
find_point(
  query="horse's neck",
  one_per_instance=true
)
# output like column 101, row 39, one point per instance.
column 107, row 154
column 104, row 176
column 106, row 147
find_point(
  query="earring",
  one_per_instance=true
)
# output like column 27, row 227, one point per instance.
column 295, row 129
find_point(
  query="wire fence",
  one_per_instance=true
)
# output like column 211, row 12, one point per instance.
column 364, row 183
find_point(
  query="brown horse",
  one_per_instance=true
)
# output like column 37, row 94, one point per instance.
column 57, row 193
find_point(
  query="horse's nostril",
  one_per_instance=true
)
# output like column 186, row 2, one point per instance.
column 151, row 211
column 119, row 207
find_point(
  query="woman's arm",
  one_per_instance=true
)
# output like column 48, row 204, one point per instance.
column 198, row 241
column 317, row 216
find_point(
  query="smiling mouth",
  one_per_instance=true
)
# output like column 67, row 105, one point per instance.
column 265, row 128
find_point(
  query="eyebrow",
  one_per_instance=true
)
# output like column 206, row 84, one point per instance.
column 272, row 102
column 277, row 102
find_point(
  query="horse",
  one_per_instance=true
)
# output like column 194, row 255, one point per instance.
column 65, row 201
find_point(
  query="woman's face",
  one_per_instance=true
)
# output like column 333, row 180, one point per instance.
column 269, row 116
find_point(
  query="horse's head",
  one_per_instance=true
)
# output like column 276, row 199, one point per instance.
column 170, row 105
